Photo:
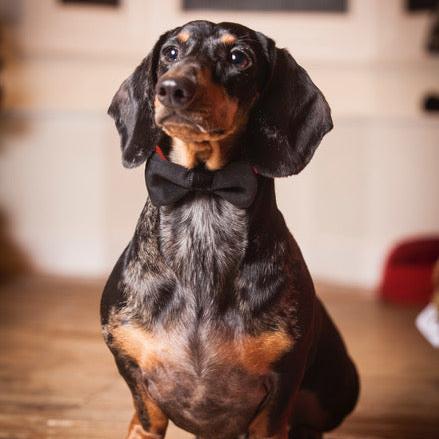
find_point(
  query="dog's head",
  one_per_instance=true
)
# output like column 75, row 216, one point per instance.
column 225, row 85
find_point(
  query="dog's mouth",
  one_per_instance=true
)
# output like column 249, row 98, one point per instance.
column 178, row 119
column 190, row 126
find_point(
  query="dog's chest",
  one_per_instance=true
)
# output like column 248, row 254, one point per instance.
column 199, row 363
column 202, row 377
column 203, row 240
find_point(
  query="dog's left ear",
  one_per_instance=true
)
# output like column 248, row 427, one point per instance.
column 132, row 110
column 289, row 120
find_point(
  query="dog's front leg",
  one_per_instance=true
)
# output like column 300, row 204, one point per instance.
column 136, row 430
column 148, row 421
column 274, row 419
column 263, row 428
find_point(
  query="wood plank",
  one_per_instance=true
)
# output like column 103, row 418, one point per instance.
column 58, row 380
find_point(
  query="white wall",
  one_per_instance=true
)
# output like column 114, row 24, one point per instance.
column 373, row 181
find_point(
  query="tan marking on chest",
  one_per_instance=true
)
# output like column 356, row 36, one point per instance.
column 141, row 346
column 257, row 354
column 254, row 354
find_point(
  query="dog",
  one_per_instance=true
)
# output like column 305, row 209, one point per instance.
column 210, row 312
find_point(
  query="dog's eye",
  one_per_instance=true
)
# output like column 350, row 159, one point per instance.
column 239, row 59
column 171, row 53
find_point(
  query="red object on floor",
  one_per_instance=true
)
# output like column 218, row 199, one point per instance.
column 407, row 276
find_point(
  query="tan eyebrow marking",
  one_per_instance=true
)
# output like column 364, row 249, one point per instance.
column 183, row 36
column 228, row 39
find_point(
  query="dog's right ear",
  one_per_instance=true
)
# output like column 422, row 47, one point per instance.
column 132, row 109
column 290, row 119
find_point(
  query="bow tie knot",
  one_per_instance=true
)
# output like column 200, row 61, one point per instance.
column 202, row 180
column 168, row 182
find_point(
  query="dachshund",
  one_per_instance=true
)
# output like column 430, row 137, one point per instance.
column 210, row 312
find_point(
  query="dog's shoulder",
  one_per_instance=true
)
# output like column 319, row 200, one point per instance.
column 140, row 277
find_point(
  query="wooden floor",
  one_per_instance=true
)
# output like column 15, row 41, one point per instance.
column 57, row 379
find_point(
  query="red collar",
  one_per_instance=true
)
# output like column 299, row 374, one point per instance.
column 159, row 152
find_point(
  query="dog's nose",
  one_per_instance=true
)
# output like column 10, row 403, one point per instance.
column 175, row 92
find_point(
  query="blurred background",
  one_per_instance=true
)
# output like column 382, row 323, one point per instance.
column 71, row 207
column 68, row 207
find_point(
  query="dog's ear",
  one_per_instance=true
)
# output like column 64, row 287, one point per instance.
column 132, row 109
column 289, row 120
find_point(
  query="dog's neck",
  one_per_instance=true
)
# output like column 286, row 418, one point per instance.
column 213, row 153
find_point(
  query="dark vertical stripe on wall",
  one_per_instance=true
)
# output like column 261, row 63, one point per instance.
column 421, row 5
column 269, row 5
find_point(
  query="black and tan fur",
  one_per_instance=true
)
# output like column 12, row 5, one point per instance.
column 210, row 311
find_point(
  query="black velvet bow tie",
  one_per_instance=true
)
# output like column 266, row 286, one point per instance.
column 168, row 182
